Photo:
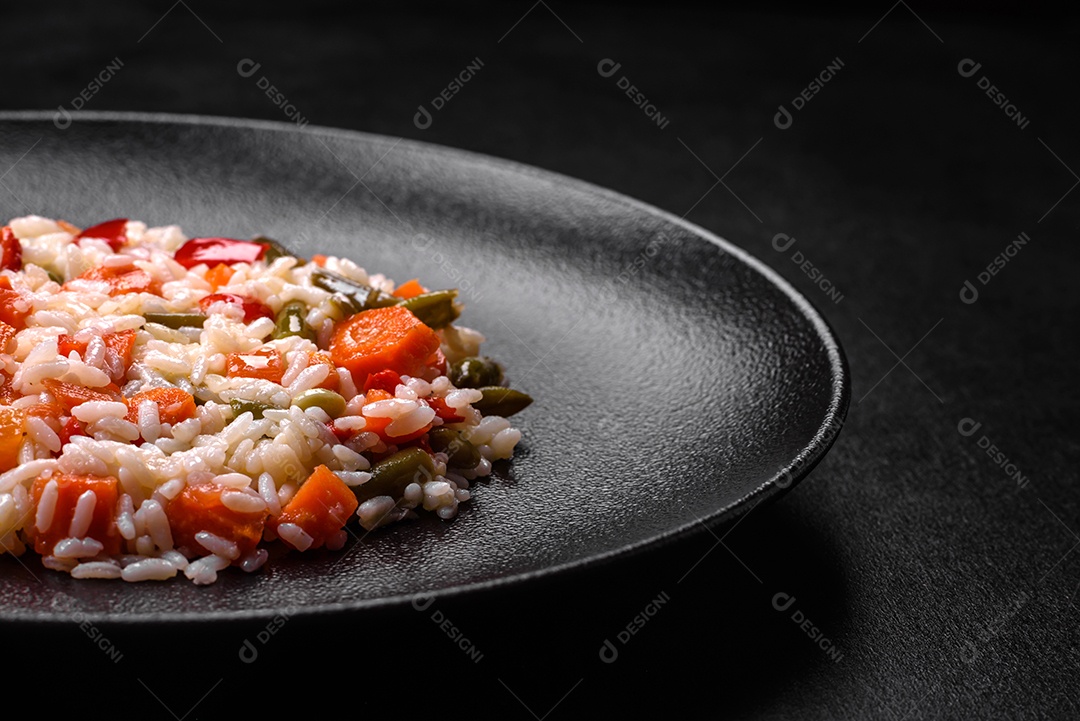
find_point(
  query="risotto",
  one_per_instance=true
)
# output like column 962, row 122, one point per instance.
column 177, row 406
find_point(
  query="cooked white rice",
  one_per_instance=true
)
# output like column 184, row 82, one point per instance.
column 256, row 459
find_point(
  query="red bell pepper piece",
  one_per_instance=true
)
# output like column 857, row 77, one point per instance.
column 387, row 380
column 212, row 251
column 253, row 309
column 10, row 250
column 111, row 231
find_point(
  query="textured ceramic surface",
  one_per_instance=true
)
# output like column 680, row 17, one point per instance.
column 677, row 380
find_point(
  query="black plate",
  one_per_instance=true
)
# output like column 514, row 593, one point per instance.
column 677, row 380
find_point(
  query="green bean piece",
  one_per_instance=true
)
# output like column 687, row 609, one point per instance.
column 460, row 452
column 476, row 372
column 331, row 402
column 176, row 321
column 499, row 401
column 54, row 277
column 360, row 296
column 436, row 309
column 275, row 250
column 255, row 407
column 290, row 321
column 390, row 476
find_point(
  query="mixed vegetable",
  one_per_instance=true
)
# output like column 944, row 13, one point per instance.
column 370, row 349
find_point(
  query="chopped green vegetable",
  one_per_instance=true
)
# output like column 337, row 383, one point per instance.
column 331, row 402
column 176, row 320
column 290, row 321
column 390, row 476
column 475, row 372
column 254, row 407
column 54, row 276
column 499, row 401
column 460, row 452
column 275, row 250
column 357, row 295
column 436, row 309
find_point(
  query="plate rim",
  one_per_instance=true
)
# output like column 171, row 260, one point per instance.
column 770, row 489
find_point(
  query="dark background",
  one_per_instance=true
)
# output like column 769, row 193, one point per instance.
column 946, row 588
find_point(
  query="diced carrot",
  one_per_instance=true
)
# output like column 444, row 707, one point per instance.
column 118, row 281
column 122, row 343
column 174, row 404
column 8, row 394
column 70, row 395
column 49, row 412
column 321, row 507
column 319, row 259
column 200, row 508
column 438, row 361
column 13, row 307
column 410, row 289
column 6, row 334
column 69, row 488
column 264, row 363
column 381, row 339
column 219, row 275
column 321, row 357
column 12, row 429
